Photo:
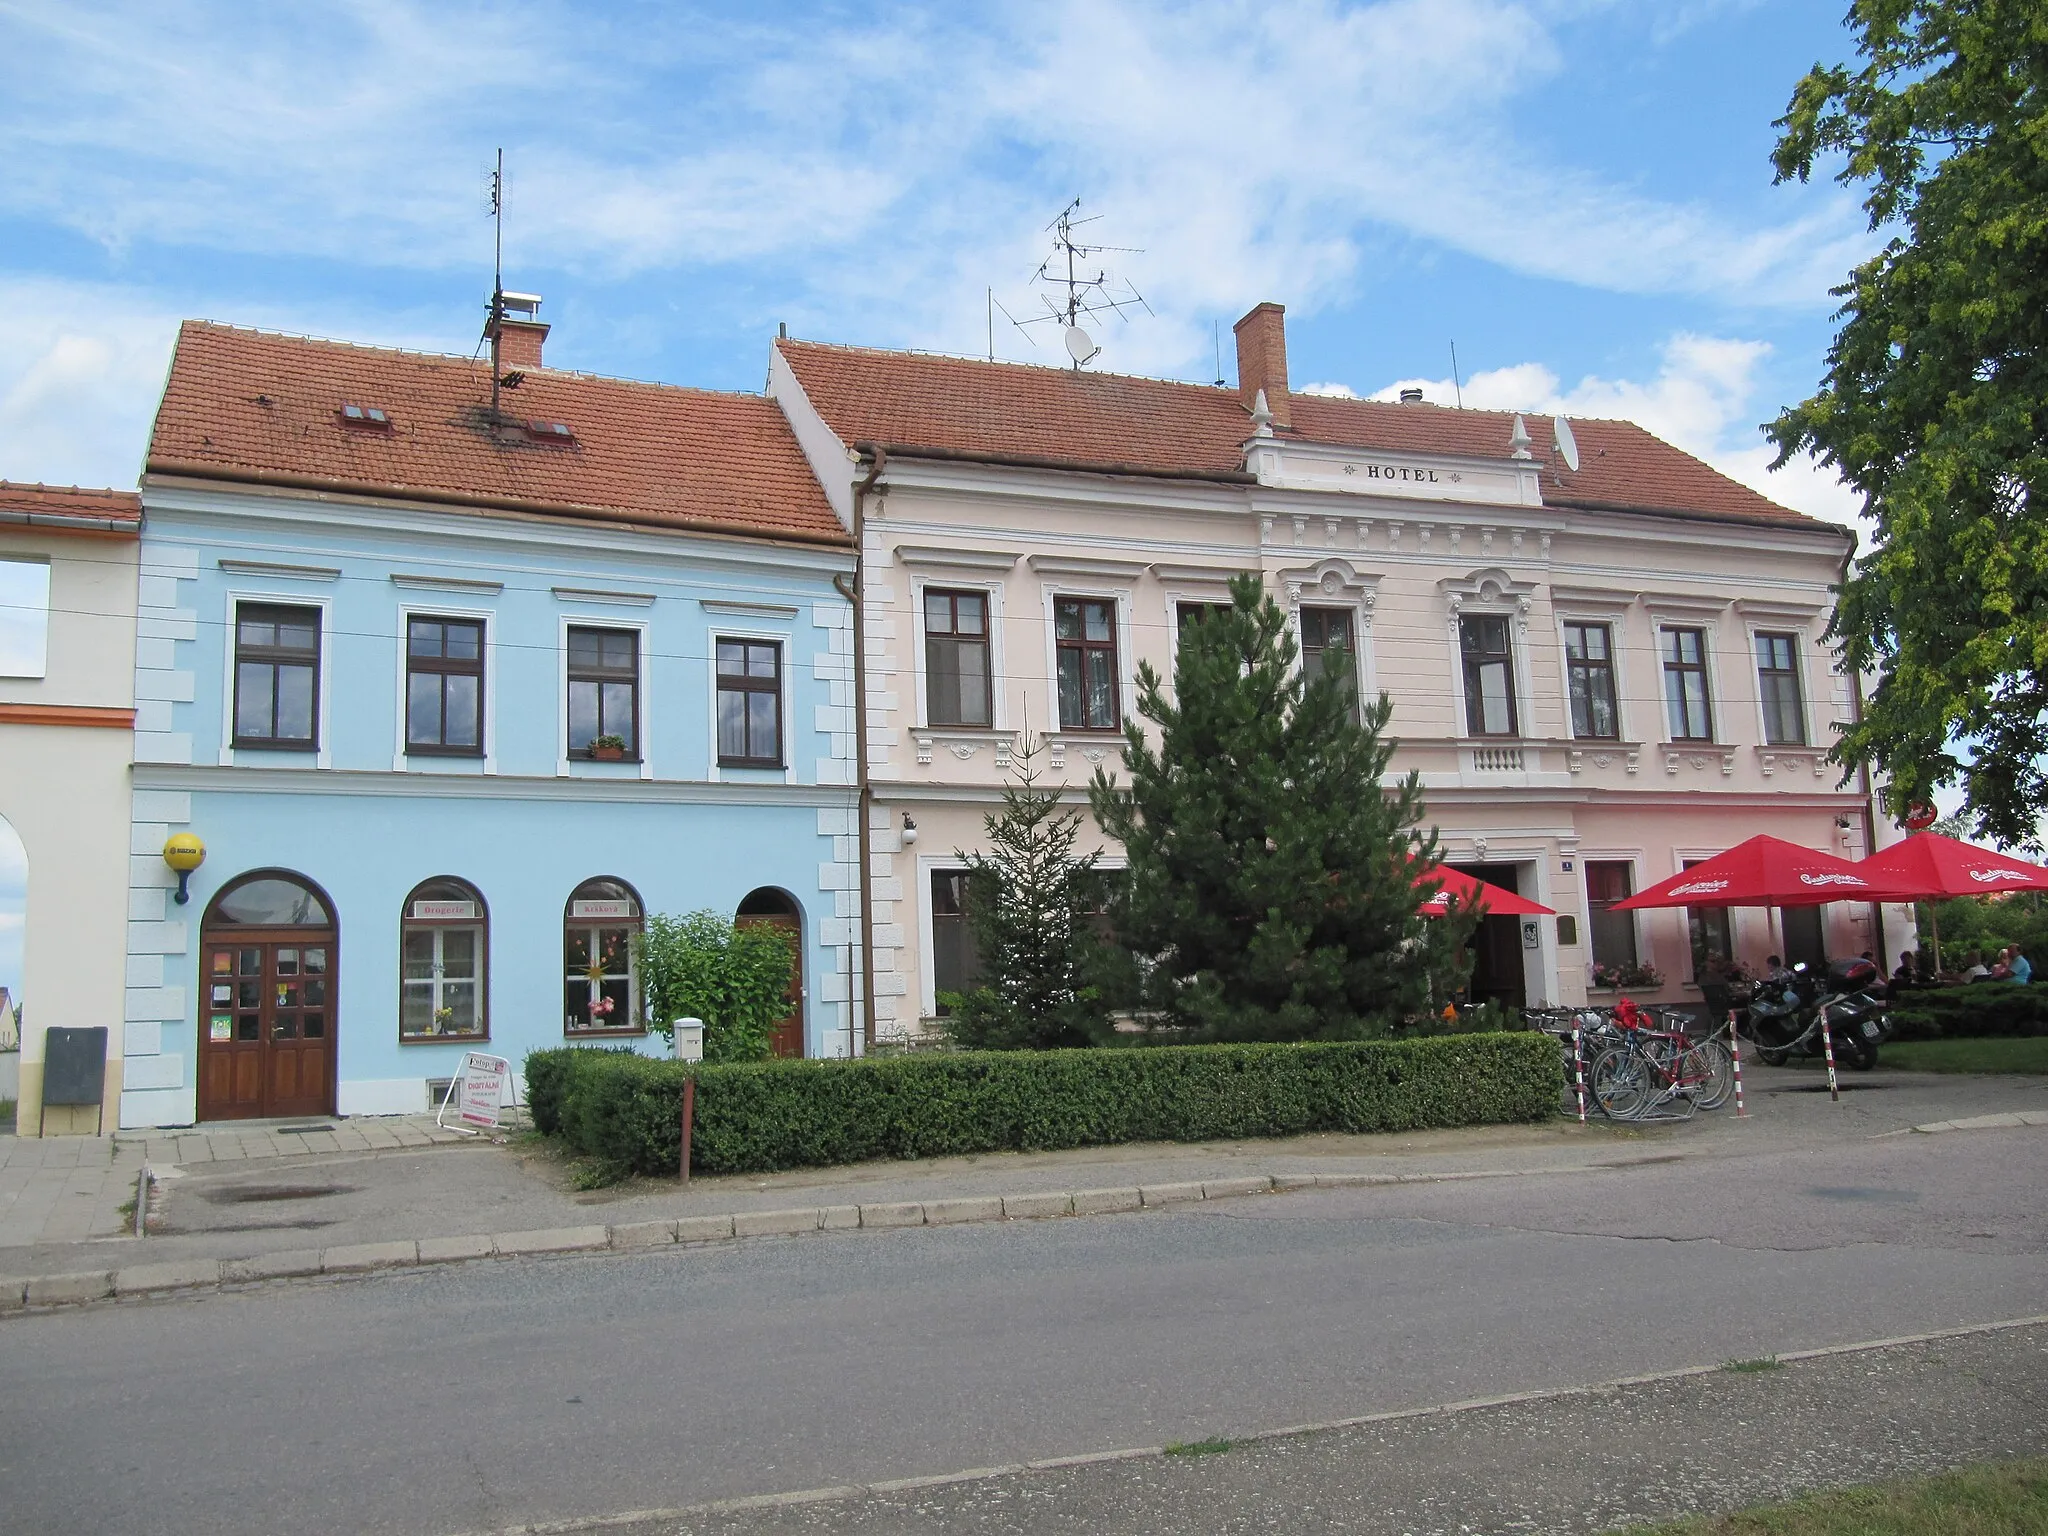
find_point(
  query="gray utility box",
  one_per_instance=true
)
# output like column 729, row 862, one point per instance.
column 75, row 1069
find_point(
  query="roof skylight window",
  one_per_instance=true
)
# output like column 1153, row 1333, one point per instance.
column 372, row 417
column 551, row 431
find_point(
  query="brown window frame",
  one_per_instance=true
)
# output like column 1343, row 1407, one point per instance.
column 601, row 675
column 1474, row 664
column 952, row 935
column 480, row 924
column 1676, row 670
column 1080, row 649
column 444, row 667
column 1786, row 678
column 275, row 657
column 1582, row 669
column 746, row 685
column 1313, row 649
column 635, row 996
column 1709, row 932
column 1601, row 918
column 955, row 635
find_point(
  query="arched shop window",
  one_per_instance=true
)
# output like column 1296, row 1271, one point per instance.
column 443, row 988
column 601, row 986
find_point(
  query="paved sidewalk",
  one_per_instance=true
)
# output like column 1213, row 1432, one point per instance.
column 248, row 1199
column 69, row 1189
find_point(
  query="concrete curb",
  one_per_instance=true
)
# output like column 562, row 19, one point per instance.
column 844, row 1492
column 22, row 1293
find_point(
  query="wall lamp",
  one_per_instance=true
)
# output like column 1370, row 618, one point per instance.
column 909, row 830
column 184, row 853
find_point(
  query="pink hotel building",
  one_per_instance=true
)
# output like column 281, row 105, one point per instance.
column 1601, row 673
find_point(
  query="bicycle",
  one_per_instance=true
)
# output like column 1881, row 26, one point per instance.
column 1653, row 1073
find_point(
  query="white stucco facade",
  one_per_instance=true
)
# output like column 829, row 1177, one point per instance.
column 65, row 749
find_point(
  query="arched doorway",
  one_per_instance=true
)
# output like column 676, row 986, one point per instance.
column 771, row 908
column 266, row 1014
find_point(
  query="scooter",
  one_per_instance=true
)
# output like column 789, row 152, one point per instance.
column 1784, row 1014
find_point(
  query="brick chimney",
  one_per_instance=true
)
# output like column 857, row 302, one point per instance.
column 1262, row 361
column 520, row 332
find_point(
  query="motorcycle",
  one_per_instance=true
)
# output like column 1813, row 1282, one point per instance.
column 1784, row 1013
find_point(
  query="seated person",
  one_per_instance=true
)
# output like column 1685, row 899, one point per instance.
column 1974, row 968
column 2012, row 966
column 1904, row 979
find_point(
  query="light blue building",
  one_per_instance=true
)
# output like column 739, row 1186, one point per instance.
column 455, row 693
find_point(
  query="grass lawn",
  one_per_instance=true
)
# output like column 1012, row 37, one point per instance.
column 2013, row 1055
column 1999, row 1498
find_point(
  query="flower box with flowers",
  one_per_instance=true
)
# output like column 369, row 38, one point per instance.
column 1612, row 978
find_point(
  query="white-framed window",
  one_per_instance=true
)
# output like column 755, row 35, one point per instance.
column 592, row 698
column 958, row 662
column 433, row 661
column 1088, row 655
column 601, row 971
column 1684, row 652
column 276, row 689
column 1780, row 687
column 748, row 682
column 1486, row 656
column 444, row 959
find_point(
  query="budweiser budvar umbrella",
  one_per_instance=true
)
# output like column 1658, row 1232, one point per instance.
column 1928, row 864
column 1472, row 891
column 1765, row 872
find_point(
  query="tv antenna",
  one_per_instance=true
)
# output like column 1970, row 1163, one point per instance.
column 1066, row 269
column 525, row 306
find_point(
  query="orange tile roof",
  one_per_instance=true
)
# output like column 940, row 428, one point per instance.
column 1059, row 416
column 254, row 406
column 62, row 505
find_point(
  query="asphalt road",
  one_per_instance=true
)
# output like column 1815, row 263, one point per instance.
column 478, row 1397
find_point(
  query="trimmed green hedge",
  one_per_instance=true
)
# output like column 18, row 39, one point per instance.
column 1984, row 1009
column 623, row 1110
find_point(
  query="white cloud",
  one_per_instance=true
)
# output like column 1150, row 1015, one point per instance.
column 901, row 158
column 85, row 363
column 78, row 380
column 1704, row 399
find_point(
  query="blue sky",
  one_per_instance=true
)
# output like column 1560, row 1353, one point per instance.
column 1578, row 192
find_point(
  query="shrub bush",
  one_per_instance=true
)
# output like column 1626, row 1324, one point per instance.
column 623, row 1110
column 1982, row 1009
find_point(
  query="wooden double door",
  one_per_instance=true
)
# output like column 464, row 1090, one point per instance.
column 266, row 1023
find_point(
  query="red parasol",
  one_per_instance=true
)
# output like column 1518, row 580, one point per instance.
column 1765, row 872
column 1472, row 891
column 1928, row 864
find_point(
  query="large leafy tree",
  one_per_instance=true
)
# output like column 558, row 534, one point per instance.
column 1031, row 903
column 1271, row 892
column 1936, row 395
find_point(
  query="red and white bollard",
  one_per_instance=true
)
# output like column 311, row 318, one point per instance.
column 1827, row 1045
column 1579, row 1070
column 1735, row 1051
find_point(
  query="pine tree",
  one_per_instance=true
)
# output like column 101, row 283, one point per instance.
column 1270, row 893
column 1030, row 904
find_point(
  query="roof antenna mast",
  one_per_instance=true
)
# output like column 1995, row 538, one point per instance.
column 496, row 328
column 1457, row 383
column 1083, row 295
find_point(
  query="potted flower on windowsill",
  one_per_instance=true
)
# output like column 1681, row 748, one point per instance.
column 1613, row 978
column 601, row 1013
column 608, row 749
column 444, row 1021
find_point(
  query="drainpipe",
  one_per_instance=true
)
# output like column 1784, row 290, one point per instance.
column 878, row 460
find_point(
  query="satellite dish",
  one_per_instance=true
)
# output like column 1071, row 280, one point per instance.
column 1080, row 345
column 1567, row 445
